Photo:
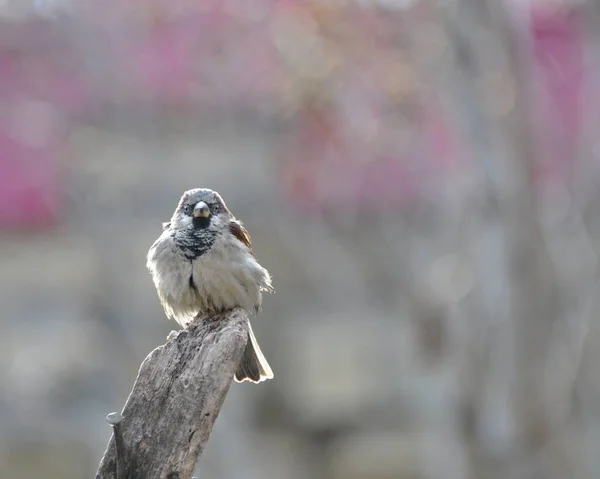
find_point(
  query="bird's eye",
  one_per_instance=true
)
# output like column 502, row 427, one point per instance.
column 187, row 209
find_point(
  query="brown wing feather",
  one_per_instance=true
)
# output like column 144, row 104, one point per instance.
column 240, row 233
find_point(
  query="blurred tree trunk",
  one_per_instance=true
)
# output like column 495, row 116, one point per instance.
column 520, row 375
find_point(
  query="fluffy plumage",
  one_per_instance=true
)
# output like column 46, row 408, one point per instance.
column 203, row 264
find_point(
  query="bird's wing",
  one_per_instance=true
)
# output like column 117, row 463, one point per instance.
column 236, row 228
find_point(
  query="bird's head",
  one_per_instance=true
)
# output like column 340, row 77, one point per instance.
column 200, row 209
column 201, row 215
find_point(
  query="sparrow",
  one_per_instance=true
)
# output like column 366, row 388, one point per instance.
column 202, row 264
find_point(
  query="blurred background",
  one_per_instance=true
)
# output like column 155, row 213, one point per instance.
column 420, row 177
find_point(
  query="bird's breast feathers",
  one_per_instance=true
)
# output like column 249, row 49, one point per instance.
column 224, row 277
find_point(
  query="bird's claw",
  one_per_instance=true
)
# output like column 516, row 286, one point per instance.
column 172, row 334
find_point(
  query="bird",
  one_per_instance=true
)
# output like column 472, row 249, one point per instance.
column 202, row 264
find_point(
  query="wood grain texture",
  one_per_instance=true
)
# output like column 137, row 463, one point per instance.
column 176, row 399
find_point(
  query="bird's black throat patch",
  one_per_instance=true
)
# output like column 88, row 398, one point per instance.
column 194, row 243
column 201, row 223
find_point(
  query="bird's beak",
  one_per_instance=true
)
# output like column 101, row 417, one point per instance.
column 201, row 210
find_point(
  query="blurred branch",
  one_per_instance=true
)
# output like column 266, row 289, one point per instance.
column 492, row 68
column 176, row 399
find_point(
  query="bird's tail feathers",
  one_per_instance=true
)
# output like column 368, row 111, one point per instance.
column 253, row 366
